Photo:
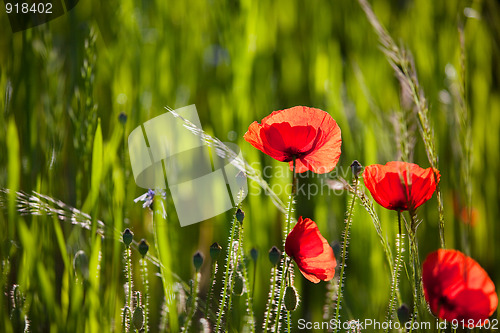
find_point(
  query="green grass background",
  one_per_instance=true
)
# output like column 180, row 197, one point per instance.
column 65, row 81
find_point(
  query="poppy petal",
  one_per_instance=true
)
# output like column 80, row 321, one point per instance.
column 311, row 251
column 457, row 287
column 400, row 185
column 308, row 134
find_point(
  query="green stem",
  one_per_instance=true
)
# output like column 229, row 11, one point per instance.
column 254, row 277
column 271, row 298
column 284, row 261
column 251, row 319
column 226, row 275
column 145, row 281
column 344, row 251
column 213, row 271
column 128, row 255
column 194, row 304
column 417, row 297
column 397, row 266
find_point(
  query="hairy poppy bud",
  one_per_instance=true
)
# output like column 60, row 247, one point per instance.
column 198, row 260
column 128, row 236
column 291, row 298
column 274, row 255
column 143, row 247
column 403, row 314
column 356, row 168
column 215, row 249
column 240, row 215
column 238, row 288
column 138, row 317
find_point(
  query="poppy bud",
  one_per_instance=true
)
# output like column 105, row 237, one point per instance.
column 81, row 264
column 128, row 236
column 356, row 168
column 138, row 317
column 198, row 260
column 403, row 314
column 240, row 215
column 215, row 249
column 274, row 255
column 143, row 247
column 254, row 254
column 291, row 298
column 122, row 117
column 238, row 285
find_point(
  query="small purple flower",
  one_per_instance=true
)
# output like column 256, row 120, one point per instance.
column 149, row 197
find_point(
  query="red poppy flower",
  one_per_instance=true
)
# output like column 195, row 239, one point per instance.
column 311, row 135
column 456, row 287
column 400, row 185
column 310, row 250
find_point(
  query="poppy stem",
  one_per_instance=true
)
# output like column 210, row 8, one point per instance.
column 145, row 282
column 213, row 272
column 285, row 261
column 344, row 250
column 417, row 275
column 129, row 303
column 274, row 273
column 226, row 297
column 399, row 220
column 396, row 269
column 250, row 320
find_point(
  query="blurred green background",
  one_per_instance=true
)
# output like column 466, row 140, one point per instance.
column 236, row 61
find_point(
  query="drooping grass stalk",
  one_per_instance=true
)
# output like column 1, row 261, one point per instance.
column 403, row 65
column 228, row 275
column 194, row 302
column 236, row 161
column 345, row 243
column 396, row 269
column 285, row 261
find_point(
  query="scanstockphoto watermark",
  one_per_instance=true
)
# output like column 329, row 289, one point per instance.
column 309, row 185
column 372, row 325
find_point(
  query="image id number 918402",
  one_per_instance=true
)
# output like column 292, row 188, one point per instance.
column 28, row 7
column 26, row 14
